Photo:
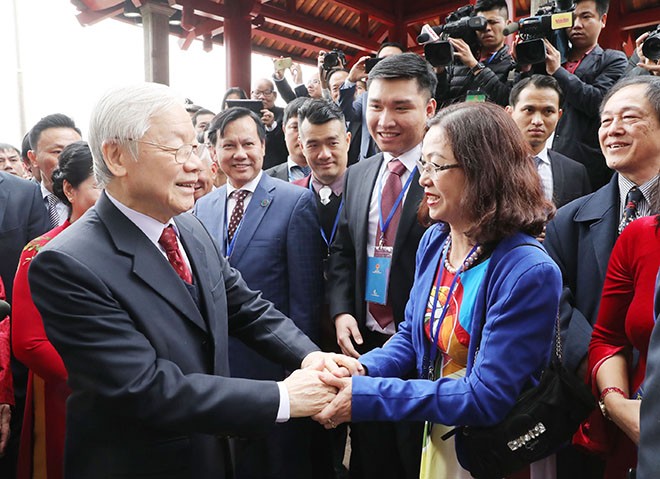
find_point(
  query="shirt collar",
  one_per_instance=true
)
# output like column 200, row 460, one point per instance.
column 625, row 185
column 44, row 190
column 249, row 186
column 409, row 158
column 337, row 186
column 543, row 156
column 151, row 227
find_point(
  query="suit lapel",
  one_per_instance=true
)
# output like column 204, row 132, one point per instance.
column 149, row 264
column 363, row 191
column 4, row 199
column 256, row 210
column 557, row 178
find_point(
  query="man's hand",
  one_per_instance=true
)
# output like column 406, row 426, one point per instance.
column 5, row 417
column 358, row 71
column 296, row 73
column 339, row 410
column 552, row 58
column 267, row 117
column 463, row 53
column 308, row 395
column 278, row 73
column 347, row 330
column 647, row 64
column 337, row 364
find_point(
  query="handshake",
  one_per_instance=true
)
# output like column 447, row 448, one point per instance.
column 322, row 388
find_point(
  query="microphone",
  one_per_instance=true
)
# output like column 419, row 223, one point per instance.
column 5, row 309
column 428, row 35
column 512, row 27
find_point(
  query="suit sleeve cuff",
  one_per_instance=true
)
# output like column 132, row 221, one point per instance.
column 284, row 409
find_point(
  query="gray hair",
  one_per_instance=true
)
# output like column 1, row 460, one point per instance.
column 123, row 114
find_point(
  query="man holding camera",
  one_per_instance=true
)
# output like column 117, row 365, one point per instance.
column 489, row 74
column 585, row 77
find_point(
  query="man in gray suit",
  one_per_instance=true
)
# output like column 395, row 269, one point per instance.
column 139, row 302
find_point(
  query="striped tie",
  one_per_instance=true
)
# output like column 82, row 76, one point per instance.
column 52, row 210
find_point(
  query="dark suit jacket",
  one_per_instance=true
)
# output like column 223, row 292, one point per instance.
column 23, row 217
column 278, row 252
column 276, row 151
column 569, row 179
column 348, row 254
column 281, row 172
column 580, row 240
column 356, row 111
column 287, row 93
column 577, row 131
column 149, row 368
column 648, row 458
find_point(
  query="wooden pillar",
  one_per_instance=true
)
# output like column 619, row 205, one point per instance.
column 238, row 43
column 155, row 19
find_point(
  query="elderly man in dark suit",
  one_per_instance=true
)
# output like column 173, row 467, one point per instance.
column 271, row 116
column 580, row 238
column 139, row 302
column 378, row 225
column 535, row 106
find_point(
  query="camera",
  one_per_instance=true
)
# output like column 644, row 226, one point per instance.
column 334, row 59
column 651, row 46
column 459, row 24
column 549, row 22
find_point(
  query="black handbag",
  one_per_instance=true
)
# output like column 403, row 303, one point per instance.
column 541, row 421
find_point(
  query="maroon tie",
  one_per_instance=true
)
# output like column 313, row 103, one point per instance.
column 237, row 213
column 382, row 313
column 171, row 246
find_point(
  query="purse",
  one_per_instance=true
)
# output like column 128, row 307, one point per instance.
column 543, row 418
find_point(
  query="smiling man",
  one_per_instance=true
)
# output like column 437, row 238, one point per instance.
column 535, row 106
column 580, row 238
column 378, row 231
column 269, row 231
column 139, row 302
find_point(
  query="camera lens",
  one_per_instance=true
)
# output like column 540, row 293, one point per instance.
column 651, row 47
column 330, row 61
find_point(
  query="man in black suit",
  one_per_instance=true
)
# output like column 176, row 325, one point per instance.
column 585, row 77
column 271, row 116
column 22, row 218
column 581, row 236
column 149, row 304
column 535, row 106
column 295, row 167
column 400, row 101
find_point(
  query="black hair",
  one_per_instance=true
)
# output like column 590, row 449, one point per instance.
column 198, row 113
column 601, row 6
column 406, row 66
column 74, row 166
column 230, row 115
column 291, row 110
column 333, row 71
column 25, row 147
column 537, row 81
column 56, row 120
column 488, row 5
column 318, row 112
column 390, row 44
column 232, row 91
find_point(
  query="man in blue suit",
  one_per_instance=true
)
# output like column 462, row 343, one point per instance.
column 269, row 231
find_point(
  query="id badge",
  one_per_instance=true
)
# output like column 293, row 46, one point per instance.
column 378, row 274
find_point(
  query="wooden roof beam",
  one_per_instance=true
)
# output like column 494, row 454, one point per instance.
column 433, row 12
column 640, row 19
column 377, row 12
column 90, row 17
column 286, row 38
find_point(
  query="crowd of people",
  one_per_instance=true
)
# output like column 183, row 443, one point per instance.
column 259, row 292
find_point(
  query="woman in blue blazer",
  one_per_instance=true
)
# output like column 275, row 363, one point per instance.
column 494, row 315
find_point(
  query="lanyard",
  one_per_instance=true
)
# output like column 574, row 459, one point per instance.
column 328, row 242
column 491, row 57
column 434, row 333
column 386, row 223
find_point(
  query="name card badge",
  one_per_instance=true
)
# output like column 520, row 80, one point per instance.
column 378, row 275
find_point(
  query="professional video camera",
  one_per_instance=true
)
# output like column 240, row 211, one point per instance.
column 651, row 46
column 551, row 22
column 334, row 59
column 459, row 24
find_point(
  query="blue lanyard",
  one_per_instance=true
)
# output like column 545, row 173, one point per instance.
column 336, row 223
column 434, row 333
column 386, row 223
column 229, row 246
column 491, row 57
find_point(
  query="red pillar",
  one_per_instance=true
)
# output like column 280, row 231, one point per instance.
column 238, row 44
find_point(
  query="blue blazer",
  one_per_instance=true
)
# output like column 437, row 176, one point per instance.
column 278, row 252
column 518, row 301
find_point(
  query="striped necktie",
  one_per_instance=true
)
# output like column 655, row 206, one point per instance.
column 52, row 210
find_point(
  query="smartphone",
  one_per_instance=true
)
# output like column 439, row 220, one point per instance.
column 475, row 95
column 370, row 63
column 254, row 105
column 283, row 63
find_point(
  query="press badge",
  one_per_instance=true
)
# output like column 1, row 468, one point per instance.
column 378, row 274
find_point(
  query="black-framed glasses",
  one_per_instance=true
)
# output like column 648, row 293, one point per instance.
column 181, row 154
column 432, row 169
column 258, row 93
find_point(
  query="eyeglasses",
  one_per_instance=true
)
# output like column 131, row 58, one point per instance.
column 181, row 154
column 432, row 169
column 258, row 93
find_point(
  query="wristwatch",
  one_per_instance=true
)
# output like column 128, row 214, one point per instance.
column 477, row 68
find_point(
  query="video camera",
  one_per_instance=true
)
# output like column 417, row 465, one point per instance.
column 461, row 24
column 651, row 46
column 334, row 59
column 551, row 22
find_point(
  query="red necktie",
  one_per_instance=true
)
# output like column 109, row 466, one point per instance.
column 237, row 213
column 383, row 313
column 171, row 246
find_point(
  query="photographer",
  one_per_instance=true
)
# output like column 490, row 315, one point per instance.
column 490, row 72
column 638, row 63
column 585, row 77
column 312, row 88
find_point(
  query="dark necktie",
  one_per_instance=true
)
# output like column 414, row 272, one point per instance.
column 53, row 215
column 237, row 213
column 382, row 313
column 630, row 212
column 171, row 246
